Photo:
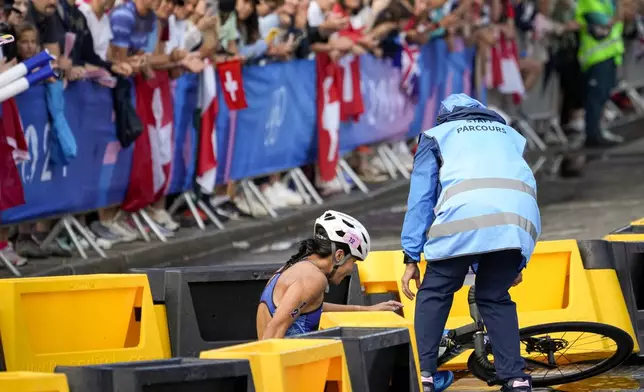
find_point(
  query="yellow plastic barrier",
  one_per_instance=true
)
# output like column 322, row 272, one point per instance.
column 291, row 365
column 164, row 334
column 77, row 320
column 624, row 237
column 372, row 319
column 555, row 288
column 32, row 382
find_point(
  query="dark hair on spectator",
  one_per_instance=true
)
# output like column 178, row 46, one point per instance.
column 320, row 245
column 249, row 27
column 24, row 28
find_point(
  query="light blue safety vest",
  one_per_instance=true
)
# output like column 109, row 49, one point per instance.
column 471, row 190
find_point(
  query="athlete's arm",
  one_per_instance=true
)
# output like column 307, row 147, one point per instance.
column 297, row 297
column 421, row 200
column 383, row 306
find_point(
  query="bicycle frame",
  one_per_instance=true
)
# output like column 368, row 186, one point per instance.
column 473, row 336
column 467, row 337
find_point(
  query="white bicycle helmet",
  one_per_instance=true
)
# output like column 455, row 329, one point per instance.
column 347, row 230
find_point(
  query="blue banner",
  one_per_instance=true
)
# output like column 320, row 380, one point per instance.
column 277, row 130
column 97, row 177
column 275, row 133
column 388, row 111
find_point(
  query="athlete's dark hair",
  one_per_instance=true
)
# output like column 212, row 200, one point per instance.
column 320, row 245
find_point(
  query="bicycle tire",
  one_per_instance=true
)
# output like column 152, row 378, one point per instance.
column 620, row 337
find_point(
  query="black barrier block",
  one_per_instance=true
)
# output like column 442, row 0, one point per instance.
column 379, row 359
column 628, row 258
column 168, row 375
column 596, row 254
column 216, row 306
column 156, row 277
column 374, row 299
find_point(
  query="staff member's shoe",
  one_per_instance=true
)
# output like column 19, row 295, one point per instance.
column 517, row 385
column 438, row 382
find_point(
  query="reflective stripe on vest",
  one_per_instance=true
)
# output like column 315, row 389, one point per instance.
column 482, row 183
column 595, row 49
column 481, row 222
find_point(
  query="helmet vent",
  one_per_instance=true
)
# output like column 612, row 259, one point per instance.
column 329, row 217
column 348, row 224
column 340, row 233
column 364, row 238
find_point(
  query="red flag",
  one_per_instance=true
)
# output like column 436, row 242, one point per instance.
column 328, row 112
column 352, row 105
column 207, row 162
column 232, row 82
column 152, row 156
column 13, row 148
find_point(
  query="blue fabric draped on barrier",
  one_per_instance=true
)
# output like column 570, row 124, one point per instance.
column 276, row 132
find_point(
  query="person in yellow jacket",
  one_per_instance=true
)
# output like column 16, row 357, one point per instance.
column 601, row 51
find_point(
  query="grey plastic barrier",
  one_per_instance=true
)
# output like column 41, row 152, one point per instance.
column 216, row 306
column 378, row 359
column 176, row 374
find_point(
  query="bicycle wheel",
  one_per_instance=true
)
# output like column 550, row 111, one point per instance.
column 541, row 346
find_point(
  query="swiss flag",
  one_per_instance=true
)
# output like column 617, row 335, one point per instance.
column 232, row 82
column 328, row 112
column 152, row 156
column 207, row 162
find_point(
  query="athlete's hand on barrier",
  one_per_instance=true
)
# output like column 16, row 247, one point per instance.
column 518, row 280
column 411, row 272
column 389, row 306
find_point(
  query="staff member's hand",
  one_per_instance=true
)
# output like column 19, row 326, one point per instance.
column 518, row 280
column 411, row 272
column 389, row 306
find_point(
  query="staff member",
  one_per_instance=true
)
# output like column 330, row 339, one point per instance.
column 601, row 51
column 472, row 201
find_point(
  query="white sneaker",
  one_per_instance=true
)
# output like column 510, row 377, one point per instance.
column 14, row 258
column 272, row 196
column 287, row 194
column 331, row 187
column 119, row 229
column 163, row 218
column 254, row 208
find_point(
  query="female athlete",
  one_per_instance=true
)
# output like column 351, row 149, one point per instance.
column 293, row 299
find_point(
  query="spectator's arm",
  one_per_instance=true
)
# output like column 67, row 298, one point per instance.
column 89, row 55
column 255, row 50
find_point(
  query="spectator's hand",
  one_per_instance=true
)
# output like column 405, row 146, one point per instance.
column 207, row 22
column 4, row 65
column 178, row 55
column 389, row 306
column 64, row 63
column 343, row 44
column 123, row 69
column 369, row 42
column 137, row 63
column 411, row 272
column 448, row 20
column 193, row 64
column 518, row 280
column 571, row 25
column 76, row 73
column 358, row 50
column 334, row 23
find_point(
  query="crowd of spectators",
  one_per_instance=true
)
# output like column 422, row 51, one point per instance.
column 139, row 36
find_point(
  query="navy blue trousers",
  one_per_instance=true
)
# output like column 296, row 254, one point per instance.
column 496, row 273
